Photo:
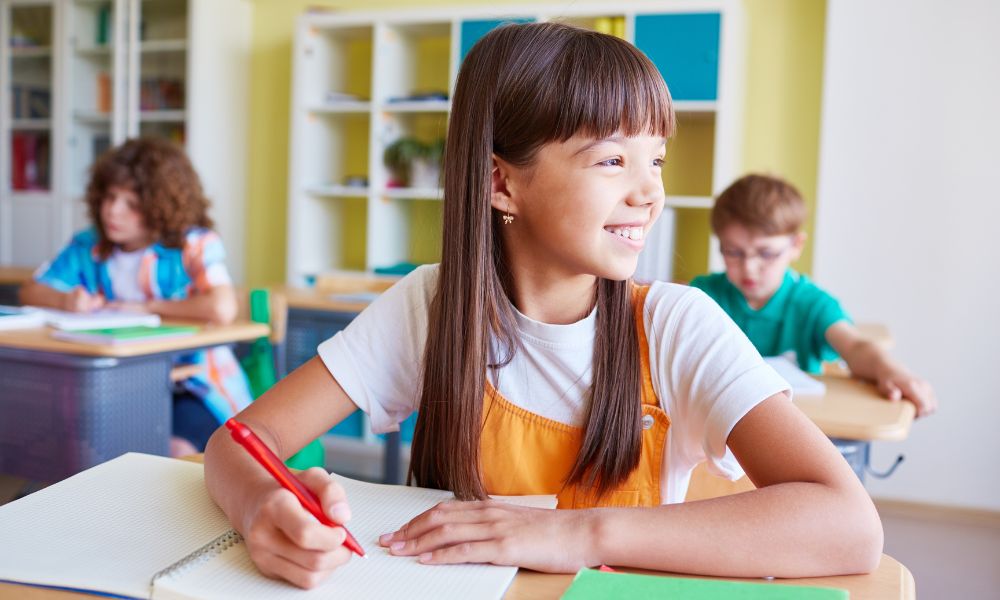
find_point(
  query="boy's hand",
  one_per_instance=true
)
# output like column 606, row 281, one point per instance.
column 897, row 384
column 287, row 542
column 139, row 307
column 79, row 300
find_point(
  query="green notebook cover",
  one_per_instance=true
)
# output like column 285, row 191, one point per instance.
column 592, row 584
column 125, row 335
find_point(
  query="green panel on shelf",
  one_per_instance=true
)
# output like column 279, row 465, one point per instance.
column 692, row 230
column 473, row 30
column 685, row 48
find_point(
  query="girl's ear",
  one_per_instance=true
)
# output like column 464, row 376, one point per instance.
column 501, row 196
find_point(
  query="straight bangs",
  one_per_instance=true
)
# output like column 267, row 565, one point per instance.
column 594, row 85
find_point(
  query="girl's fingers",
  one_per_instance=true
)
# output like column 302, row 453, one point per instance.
column 277, row 566
column 301, row 528
column 451, row 512
column 467, row 552
column 448, row 534
column 332, row 496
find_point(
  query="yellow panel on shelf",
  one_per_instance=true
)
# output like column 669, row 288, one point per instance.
column 688, row 167
column 359, row 73
column 692, row 230
column 353, row 239
column 425, row 231
column 432, row 64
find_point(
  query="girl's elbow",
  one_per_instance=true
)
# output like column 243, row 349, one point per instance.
column 862, row 552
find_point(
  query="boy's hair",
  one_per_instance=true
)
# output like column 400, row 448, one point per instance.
column 171, row 199
column 519, row 88
column 762, row 203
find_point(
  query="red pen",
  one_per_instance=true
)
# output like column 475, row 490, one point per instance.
column 267, row 459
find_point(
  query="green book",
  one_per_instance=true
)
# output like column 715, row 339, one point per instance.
column 125, row 335
column 592, row 584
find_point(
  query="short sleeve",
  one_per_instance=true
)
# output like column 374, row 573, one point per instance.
column 205, row 260
column 377, row 359
column 826, row 312
column 67, row 270
column 706, row 372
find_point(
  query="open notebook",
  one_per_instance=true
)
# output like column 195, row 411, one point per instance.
column 142, row 526
column 802, row 384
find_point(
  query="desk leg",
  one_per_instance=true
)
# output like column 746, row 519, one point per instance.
column 61, row 414
column 391, row 469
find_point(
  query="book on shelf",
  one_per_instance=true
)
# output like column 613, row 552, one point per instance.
column 123, row 336
column 142, row 526
column 20, row 317
column 29, row 160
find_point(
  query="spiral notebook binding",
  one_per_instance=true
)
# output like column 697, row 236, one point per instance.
column 207, row 552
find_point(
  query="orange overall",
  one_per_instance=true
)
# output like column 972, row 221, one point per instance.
column 526, row 453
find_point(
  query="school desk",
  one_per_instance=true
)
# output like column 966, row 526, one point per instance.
column 890, row 581
column 11, row 279
column 65, row 406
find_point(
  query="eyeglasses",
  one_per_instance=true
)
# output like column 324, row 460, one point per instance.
column 766, row 255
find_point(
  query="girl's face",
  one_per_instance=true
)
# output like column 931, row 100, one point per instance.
column 584, row 207
column 123, row 223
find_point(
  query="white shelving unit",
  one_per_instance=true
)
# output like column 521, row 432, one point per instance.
column 112, row 70
column 363, row 80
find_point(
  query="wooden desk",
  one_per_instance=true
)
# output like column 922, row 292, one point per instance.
column 891, row 581
column 854, row 410
column 65, row 407
column 11, row 279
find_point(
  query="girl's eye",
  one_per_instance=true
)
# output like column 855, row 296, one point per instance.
column 611, row 162
column 658, row 162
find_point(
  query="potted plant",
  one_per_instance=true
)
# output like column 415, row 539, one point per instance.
column 399, row 157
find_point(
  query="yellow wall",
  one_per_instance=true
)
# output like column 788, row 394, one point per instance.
column 781, row 135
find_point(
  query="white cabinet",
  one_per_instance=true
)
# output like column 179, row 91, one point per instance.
column 362, row 81
column 111, row 70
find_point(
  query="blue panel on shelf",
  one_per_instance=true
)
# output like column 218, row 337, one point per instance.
column 352, row 426
column 685, row 48
column 406, row 429
column 473, row 30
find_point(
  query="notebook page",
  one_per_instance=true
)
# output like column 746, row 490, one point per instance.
column 802, row 384
column 376, row 509
column 109, row 528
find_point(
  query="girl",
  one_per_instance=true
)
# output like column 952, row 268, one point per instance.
column 152, row 249
column 539, row 368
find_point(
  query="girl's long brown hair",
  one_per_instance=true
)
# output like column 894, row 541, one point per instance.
column 520, row 87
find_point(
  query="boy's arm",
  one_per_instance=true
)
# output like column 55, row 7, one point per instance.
column 867, row 360
column 34, row 293
column 217, row 305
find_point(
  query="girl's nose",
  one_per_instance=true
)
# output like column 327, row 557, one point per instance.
column 648, row 190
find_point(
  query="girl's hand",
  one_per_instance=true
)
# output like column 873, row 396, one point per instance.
column 897, row 384
column 287, row 542
column 79, row 300
column 555, row 541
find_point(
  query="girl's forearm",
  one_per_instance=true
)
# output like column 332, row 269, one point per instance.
column 785, row 530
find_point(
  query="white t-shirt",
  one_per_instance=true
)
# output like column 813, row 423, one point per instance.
column 123, row 270
column 705, row 372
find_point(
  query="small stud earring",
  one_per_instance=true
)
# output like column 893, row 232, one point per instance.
column 508, row 218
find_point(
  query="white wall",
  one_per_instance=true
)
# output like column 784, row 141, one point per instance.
column 907, row 218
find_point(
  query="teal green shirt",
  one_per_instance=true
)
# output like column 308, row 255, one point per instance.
column 795, row 319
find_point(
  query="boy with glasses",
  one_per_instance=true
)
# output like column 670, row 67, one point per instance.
column 758, row 220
